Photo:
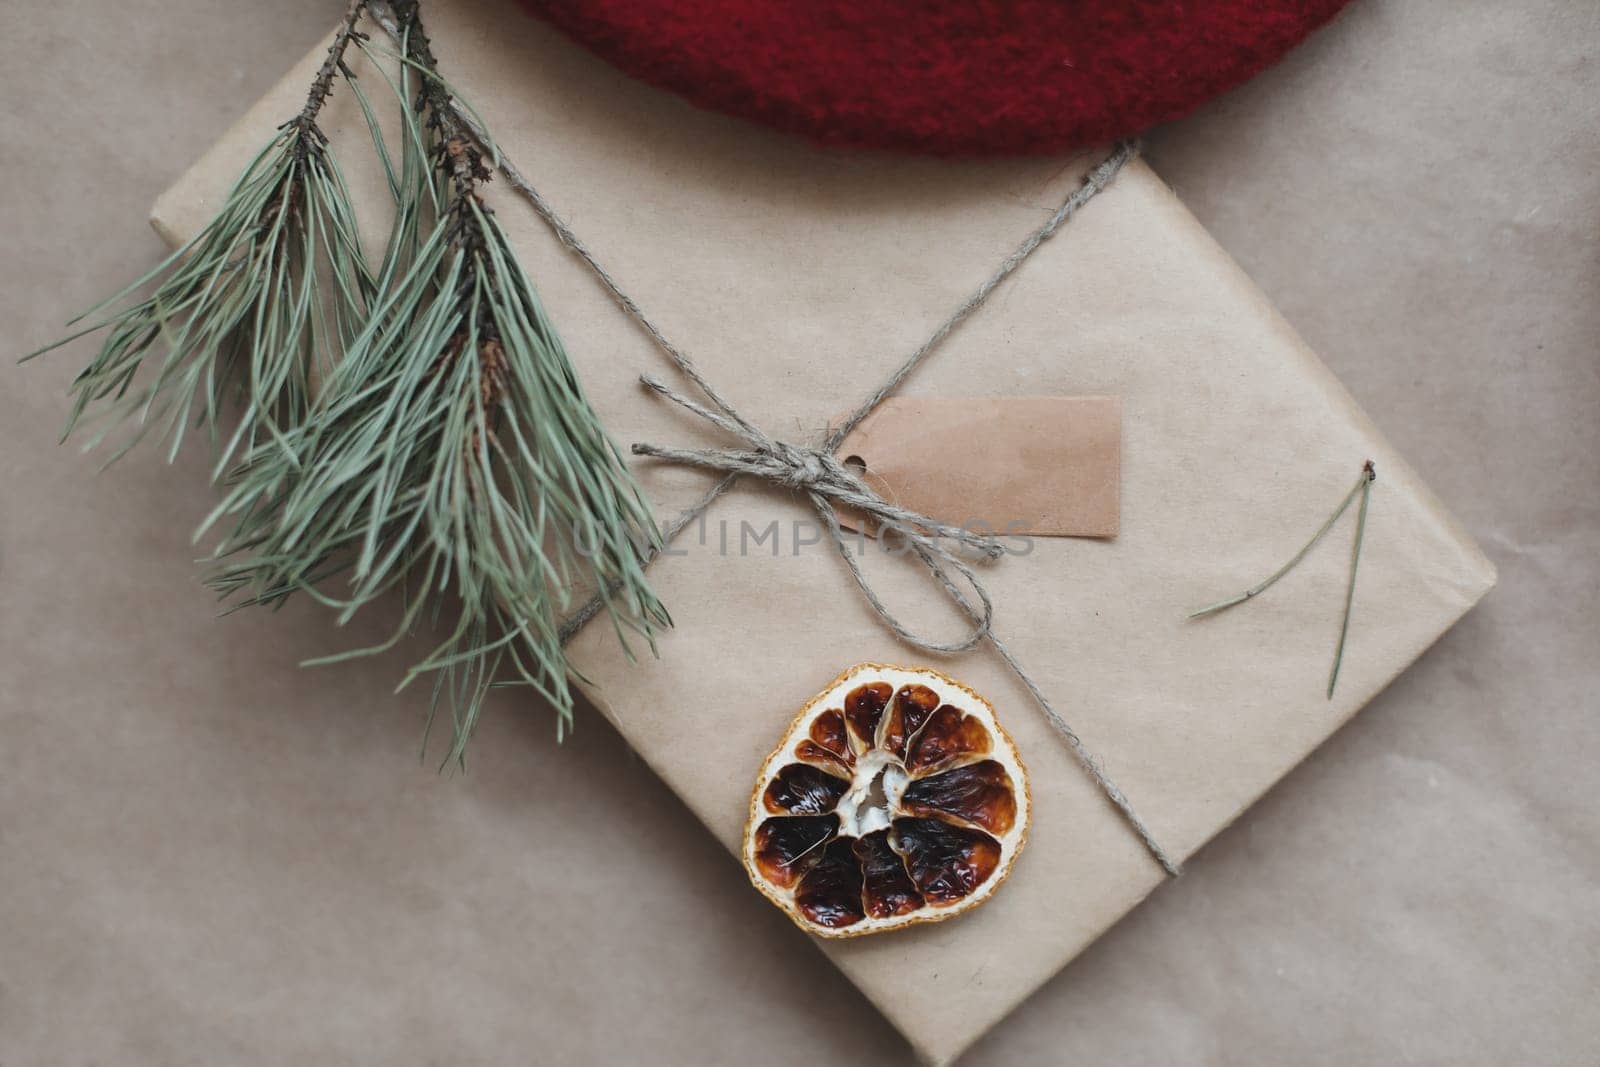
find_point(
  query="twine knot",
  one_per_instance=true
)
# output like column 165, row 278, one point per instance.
column 805, row 468
column 826, row 483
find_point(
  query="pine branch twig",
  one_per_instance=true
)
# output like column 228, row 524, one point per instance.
column 332, row 65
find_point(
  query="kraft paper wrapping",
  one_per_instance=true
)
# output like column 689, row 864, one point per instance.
column 797, row 279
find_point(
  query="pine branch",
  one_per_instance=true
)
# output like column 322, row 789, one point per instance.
column 241, row 306
column 413, row 426
column 453, row 455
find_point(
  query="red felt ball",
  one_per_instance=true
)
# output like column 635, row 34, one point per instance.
column 944, row 76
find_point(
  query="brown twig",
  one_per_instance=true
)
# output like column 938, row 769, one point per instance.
column 332, row 64
column 459, row 158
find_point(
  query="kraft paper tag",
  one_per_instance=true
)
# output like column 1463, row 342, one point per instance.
column 1050, row 466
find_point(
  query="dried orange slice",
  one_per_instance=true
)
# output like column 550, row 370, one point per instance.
column 894, row 798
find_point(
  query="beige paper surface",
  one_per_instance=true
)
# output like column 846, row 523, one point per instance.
column 798, row 279
column 1039, row 465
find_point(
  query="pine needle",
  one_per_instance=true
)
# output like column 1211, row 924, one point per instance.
column 241, row 308
column 1362, row 489
column 452, row 455
column 412, row 427
column 1368, row 475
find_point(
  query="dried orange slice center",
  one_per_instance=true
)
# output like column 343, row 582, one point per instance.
column 894, row 798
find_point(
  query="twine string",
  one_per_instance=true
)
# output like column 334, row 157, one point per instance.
column 823, row 479
column 815, row 472
column 1092, row 184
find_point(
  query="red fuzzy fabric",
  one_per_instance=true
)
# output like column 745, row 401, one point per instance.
column 944, row 76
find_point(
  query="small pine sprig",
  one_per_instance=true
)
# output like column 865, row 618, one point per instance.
column 245, row 305
column 452, row 455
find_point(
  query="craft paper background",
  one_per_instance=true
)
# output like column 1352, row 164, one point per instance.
column 212, row 842
column 798, row 280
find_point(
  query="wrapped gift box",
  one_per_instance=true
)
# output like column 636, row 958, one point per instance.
column 797, row 279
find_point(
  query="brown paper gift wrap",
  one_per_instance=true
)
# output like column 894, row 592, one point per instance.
column 797, row 279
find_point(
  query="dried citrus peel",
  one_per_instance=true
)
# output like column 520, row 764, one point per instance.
column 894, row 798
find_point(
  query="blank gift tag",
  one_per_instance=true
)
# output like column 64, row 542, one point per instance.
column 1050, row 466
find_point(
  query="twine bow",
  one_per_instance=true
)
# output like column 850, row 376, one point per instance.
column 824, row 480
